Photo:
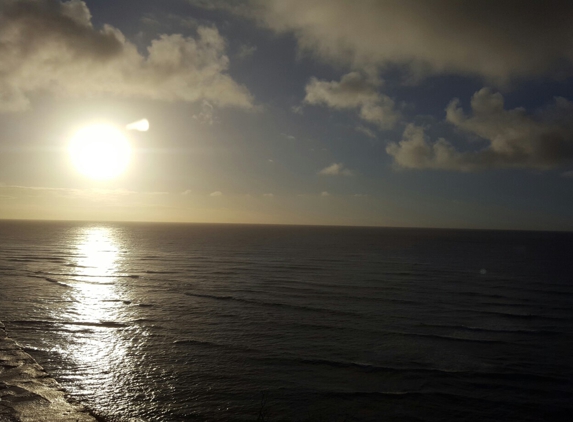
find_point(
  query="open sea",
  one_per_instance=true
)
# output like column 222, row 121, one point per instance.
column 183, row 322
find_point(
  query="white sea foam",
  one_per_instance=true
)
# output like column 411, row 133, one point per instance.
column 27, row 393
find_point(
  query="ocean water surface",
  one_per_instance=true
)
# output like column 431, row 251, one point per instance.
column 173, row 322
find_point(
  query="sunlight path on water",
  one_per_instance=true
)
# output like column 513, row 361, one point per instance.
column 98, row 338
column 97, row 262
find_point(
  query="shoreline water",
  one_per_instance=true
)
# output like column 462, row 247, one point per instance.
column 28, row 393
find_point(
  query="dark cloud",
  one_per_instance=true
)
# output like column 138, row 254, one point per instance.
column 40, row 23
column 515, row 138
column 496, row 39
column 51, row 46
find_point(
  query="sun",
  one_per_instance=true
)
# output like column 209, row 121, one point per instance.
column 100, row 152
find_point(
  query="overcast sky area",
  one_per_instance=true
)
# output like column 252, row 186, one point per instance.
column 405, row 113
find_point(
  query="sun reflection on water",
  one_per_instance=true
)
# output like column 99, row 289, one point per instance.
column 96, row 274
column 97, row 254
column 98, row 309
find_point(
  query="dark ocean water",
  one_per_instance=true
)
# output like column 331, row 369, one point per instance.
column 150, row 322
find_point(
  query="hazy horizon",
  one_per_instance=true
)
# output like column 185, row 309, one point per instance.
column 143, row 222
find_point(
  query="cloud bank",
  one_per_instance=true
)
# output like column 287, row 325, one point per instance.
column 495, row 39
column 51, row 46
column 516, row 139
column 354, row 91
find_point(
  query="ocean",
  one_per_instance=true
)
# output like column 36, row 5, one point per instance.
column 198, row 322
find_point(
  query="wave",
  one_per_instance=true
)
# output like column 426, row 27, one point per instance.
column 144, row 320
column 433, row 396
column 105, row 324
column 53, row 280
column 32, row 322
column 366, row 367
column 542, row 291
column 50, row 273
column 460, row 339
column 161, row 272
column 205, row 343
column 32, row 258
column 492, row 330
column 510, row 305
column 423, row 372
column 55, row 323
column 78, row 279
column 527, row 316
column 298, row 292
column 50, row 280
column 472, row 403
column 484, row 295
column 295, row 267
column 224, row 272
column 273, row 304
column 32, row 350
column 97, row 283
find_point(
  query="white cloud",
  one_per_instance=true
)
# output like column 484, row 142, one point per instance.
column 335, row 169
column 246, row 51
column 415, row 151
column 268, row 195
column 297, row 109
column 324, row 194
column 216, row 194
column 515, row 138
column 366, row 131
column 354, row 91
column 206, row 114
column 52, row 46
column 93, row 194
column 496, row 39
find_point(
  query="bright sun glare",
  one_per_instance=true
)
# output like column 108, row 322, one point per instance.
column 100, row 152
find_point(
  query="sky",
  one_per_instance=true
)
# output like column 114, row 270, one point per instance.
column 402, row 113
